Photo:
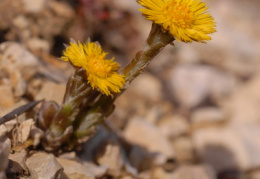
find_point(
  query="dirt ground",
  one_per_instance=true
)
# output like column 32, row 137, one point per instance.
column 193, row 114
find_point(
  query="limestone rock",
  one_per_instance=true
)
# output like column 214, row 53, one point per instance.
column 34, row 6
column 111, row 157
column 147, row 86
column 22, row 59
column 174, row 126
column 52, row 91
column 80, row 169
column 194, row 172
column 192, row 84
column 24, row 130
column 147, row 135
column 44, row 166
column 208, row 115
column 243, row 103
column 6, row 97
column 235, row 146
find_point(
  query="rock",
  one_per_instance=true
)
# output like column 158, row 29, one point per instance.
column 21, row 60
column 243, row 104
column 97, row 145
column 141, row 159
column 192, row 84
column 24, row 130
column 235, row 146
column 111, row 157
column 147, row 86
column 5, row 145
column 38, row 45
column 161, row 173
column 151, row 138
column 4, row 152
column 44, row 166
column 6, row 96
column 254, row 175
column 81, row 169
column 52, row 91
column 36, row 134
column 174, row 126
column 10, row 76
column 20, row 157
column 34, row 6
column 21, row 22
column 2, row 175
column 194, row 172
column 62, row 9
column 208, row 115
column 3, row 130
column 184, row 149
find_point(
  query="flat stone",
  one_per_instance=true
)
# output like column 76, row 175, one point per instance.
column 192, row 84
column 22, row 59
column 112, row 158
column 147, row 135
column 44, row 166
column 147, row 86
column 81, row 169
column 208, row 115
column 243, row 104
column 4, row 153
column 194, row 172
column 24, row 130
column 174, row 126
column 34, row 6
column 6, row 97
column 235, row 146
column 52, row 91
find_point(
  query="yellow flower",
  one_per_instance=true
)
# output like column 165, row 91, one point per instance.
column 185, row 20
column 101, row 73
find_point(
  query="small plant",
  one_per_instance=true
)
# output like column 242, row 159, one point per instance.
column 98, row 82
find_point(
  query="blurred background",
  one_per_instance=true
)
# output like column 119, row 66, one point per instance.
column 197, row 105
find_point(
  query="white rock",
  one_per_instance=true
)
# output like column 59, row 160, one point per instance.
column 3, row 130
column 61, row 9
column 34, row 6
column 4, row 152
column 147, row 86
column 43, row 166
column 235, row 146
column 24, row 130
column 192, row 84
column 243, row 104
column 208, row 115
column 174, row 126
column 22, row 59
column 149, row 136
column 36, row 44
column 21, row 22
column 6, row 97
column 52, row 91
column 194, row 172
column 184, row 149
column 81, row 170
column 112, row 158
column 20, row 158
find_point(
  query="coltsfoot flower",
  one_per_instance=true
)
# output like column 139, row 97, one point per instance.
column 101, row 73
column 185, row 20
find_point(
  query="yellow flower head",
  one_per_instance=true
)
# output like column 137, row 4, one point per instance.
column 185, row 20
column 101, row 73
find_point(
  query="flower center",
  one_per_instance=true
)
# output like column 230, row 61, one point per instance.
column 179, row 14
column 100, row 68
